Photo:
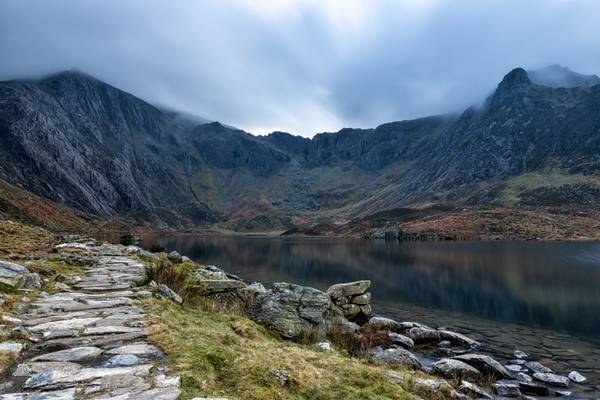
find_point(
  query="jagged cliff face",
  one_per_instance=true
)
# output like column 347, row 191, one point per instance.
column 81, row 142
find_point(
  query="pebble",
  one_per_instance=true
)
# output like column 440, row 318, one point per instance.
column 577, row 377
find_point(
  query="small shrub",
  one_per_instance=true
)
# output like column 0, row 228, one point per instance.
column 176, row 278
column 360, row 343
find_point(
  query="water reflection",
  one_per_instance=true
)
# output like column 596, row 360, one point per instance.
column 548, row 285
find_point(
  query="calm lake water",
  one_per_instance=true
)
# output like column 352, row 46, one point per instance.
column 542, row 298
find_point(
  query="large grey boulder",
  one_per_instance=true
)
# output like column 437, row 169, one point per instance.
column 12, row 274
column 451, row 368
column 293, row 310
column 485, row 364
column 350, row 289
column 394, row 356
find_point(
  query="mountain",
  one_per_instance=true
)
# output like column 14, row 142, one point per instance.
column 558, row 76
column 83, row 143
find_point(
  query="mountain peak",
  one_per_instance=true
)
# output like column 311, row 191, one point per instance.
column 515, row 78
column 560, row 76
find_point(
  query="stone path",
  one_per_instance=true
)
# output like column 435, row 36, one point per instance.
column 91, row 339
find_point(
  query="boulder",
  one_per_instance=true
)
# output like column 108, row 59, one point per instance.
column 174, row 257
column 220, row 286
column 523, row 377
column 377, row 323
column 292, row 310
column 577, row 377
column 424, row 335
column 33, row 280
column 458, row 338
column 507, row 388
column 552, row 379
column 394, row 356
column 361, row 299
column 350, row 289
column 537, row 367
column 485, row 364
column 12, row 274
column 476, row 391
column 168, row 292
column 401, row 340
column 533, row 388
column 451, row 368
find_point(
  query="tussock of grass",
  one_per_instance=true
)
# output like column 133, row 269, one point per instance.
column 218, row 354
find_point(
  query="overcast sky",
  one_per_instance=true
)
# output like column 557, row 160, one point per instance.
column 302, row 66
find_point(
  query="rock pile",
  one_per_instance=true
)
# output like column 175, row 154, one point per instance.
column 353, row 299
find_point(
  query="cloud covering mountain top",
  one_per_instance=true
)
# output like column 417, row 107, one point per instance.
column 302, row 66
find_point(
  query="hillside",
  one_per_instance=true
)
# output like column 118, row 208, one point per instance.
column 83, row 143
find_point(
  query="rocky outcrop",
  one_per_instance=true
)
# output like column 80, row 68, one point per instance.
column 293, row 310
column 352, row 298
column 16, row 275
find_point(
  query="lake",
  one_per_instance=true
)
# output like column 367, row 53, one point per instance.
column 539, row 297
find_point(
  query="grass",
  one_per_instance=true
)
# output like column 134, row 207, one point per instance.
column 222, row 354
column 510, row 195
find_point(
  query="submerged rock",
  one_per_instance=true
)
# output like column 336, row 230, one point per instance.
column 537, row 367
column 577, row 377
column 508, row 388
column 552, row 379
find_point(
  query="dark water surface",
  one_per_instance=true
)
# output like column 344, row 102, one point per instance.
column 542, row 298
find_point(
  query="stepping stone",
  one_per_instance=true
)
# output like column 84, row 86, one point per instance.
column 170, row 393
column 32, row 368
column 103, row 330
column 67, row 394
column 123, row 360
column 57, row 376
column 11, row 347
column 75, row 323
column 73, row 354
column 552, row 379
column 99, row 340
column 117, row 385
column 163, row 381
column 137, row 349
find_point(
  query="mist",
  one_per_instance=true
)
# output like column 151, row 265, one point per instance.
column 301, row 66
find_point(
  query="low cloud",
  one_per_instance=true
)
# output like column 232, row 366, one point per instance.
column 301, row 66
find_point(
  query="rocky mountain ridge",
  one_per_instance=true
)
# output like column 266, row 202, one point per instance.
column 83, row 143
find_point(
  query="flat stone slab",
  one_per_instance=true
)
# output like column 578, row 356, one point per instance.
column 55, row 377
column 67, row 394
column 11, row 347
column 153, row 394
column 75, row 323
column 32, row 368
column 137, row 349
column 110, row 329
column 73, row 354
